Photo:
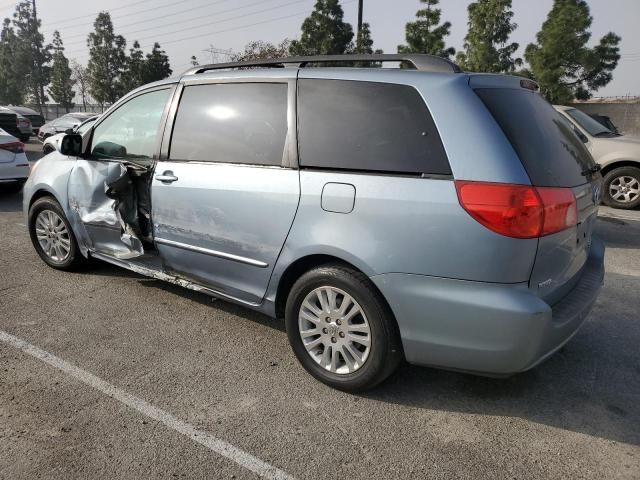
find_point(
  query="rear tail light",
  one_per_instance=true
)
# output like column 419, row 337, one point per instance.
column 518, row 211
column 15, row 147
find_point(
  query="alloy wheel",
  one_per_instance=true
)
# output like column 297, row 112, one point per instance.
column 53, row 236
column 624, row 189
column 334, row 330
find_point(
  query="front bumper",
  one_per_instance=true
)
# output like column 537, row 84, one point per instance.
column 493, row 329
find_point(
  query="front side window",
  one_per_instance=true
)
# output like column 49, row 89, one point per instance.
column 367, row 126
column 231, row 123
column 132, row 130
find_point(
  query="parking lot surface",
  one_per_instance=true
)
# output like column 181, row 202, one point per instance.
column 229, row 375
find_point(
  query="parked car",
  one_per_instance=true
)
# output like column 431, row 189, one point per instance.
column 14, row 167
column 52, row 142
column 34, row 117
column 63, row 124
column 618, row 155
column 384, row 213
column 22, row 126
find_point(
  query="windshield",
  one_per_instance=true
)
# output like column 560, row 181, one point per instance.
column 593, row 127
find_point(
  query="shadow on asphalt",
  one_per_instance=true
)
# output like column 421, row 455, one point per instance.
column 10, row 197
column 615, row 232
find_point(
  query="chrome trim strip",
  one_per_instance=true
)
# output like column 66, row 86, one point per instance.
column 213, row 253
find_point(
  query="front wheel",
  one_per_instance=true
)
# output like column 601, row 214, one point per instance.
column 52, row 236
column 622, row 188
column 341, row 330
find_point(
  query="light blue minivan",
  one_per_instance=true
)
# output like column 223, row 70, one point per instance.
column 417, row 213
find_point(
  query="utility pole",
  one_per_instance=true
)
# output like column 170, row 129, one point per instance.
column 39, row 86
column 359, row 22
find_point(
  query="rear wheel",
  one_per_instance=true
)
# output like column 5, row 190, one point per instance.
column 622, row 188
column 52, row 236
column 341, row 329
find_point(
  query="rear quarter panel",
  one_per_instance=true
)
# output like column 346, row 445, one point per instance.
column 407, row 225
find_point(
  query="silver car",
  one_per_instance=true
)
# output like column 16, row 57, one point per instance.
column 52, row 142
column 21, row 129
column 63, row 124
column 34, row 117
column 430, row 215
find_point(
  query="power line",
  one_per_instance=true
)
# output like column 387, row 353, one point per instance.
column 297, row 14
column 59, row 22
column 174, row 22
column 164, row 42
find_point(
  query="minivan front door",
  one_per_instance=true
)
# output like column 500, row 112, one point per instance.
column 224, row 200
column 108, row 190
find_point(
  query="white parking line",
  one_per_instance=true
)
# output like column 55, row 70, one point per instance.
column 214, row 444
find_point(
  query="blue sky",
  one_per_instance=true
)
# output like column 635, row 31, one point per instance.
column 187, row 27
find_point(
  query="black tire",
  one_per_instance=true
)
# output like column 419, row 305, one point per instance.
column 385, row 351
column 612, row 176
column 74, row 260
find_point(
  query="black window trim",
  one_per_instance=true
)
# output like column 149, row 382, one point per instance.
column 290, row 150
column 425, row 175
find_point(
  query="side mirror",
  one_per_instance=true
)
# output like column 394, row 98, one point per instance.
column 71, row 145
column 68, row 131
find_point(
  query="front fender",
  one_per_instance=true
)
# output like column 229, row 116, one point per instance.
column 51, row 175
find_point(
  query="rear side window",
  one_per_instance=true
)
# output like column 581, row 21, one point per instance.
column 231, row 123
column 367, row 126
column 550, row 151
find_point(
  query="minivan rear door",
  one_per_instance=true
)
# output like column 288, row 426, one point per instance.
column 553, row 156
column 225, row 198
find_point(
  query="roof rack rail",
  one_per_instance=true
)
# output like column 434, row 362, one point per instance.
column 421, row 62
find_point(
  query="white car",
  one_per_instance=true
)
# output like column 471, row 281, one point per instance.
column 14, row 166
column 618, row 155
column 52, row 143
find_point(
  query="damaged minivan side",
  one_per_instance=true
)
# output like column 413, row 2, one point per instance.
column 109, row 191
column 385, row 214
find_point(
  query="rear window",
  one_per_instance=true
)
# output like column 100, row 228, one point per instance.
column 369, row 126
column 551, row 153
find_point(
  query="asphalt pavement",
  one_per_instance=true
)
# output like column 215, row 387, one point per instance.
column 107, row 374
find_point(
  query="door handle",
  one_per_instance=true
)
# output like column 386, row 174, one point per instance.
column 167, row 177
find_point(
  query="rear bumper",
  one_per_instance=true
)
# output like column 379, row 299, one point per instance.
column 494, row 329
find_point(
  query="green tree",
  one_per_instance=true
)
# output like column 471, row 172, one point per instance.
column 33, row 53
column 134, row 69
column 562, row 63
column 156, row 66
column 61, row 88
column 324, row 32
column 12, row 72
column 258, row 50
column 107, row 61
column 485, row 45
column 425, row 35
